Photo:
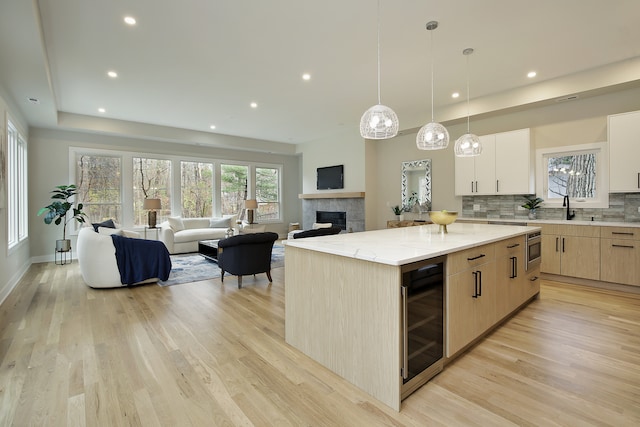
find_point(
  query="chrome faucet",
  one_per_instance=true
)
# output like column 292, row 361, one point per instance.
column 565, row 203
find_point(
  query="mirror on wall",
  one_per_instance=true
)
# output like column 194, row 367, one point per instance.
column 416, row 186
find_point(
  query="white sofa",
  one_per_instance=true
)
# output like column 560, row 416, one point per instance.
column 181, row 235
column 97, row 259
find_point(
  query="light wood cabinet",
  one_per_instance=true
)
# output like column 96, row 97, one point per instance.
column 471, row 295
column 624, row 151
column 510, row 275
column 571, row 250
column 620, row 255
column 504, row 167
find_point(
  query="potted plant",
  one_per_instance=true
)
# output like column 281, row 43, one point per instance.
column 57, row 213
column 532, row 204
column 398, row 211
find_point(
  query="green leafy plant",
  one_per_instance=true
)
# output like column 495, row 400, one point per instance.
column 57, row 211
column 533, row 202
column 396, row 209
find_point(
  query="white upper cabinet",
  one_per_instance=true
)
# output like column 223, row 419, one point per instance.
column 624, row 152
column 504, row 167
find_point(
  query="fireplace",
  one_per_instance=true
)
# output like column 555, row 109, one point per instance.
column 352, row 205
column 337, row 219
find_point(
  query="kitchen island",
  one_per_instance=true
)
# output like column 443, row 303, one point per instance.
column 343, row 302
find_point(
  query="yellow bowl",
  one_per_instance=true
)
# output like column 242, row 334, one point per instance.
column 443, row 219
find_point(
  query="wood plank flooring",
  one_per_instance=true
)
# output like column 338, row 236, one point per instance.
column 208, row 354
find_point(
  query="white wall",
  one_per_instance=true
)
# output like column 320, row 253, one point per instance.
column 49, row 167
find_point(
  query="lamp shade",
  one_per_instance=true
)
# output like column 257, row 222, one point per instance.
column 151, row 204
column 251, row 204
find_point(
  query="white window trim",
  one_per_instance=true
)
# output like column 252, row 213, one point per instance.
column 602, row 175
column 18, row 230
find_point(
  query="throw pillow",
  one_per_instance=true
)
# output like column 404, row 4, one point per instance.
column 109, row 231
column 131, row 234
column 176, row 223
column 317, row 225
column 220, row 222
column 108, row 223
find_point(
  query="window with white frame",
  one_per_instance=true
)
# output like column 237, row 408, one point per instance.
column 234, row 183
column 196, row 185
column 98, row 178
column 17, row 227
column 580, row 172
column 268, row 193
column 151, row 180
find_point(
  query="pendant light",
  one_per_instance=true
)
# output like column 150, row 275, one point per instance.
column 468, row 145
column 432, row 136
column 379, row 121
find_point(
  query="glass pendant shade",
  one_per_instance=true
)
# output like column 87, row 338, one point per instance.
column 432, row 136
column 468, row 145
column 379, row 122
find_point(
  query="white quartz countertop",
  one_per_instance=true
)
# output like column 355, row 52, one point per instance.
column 555, row 221
column 399, row 246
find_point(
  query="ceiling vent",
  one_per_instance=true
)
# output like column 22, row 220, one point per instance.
column 567, row 98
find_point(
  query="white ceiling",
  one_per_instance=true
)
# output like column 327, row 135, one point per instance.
column 190, row 64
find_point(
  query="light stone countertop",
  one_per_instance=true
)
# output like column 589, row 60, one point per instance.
column 399, row 246
column 556, row 221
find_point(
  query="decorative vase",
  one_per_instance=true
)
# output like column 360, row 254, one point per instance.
column 533, row 214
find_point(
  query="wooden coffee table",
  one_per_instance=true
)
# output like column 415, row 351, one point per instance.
column 209, row 249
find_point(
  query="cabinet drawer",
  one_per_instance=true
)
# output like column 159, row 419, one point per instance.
column 510, row 247
column 469, row 258
column 624, row 233
column 571, row 230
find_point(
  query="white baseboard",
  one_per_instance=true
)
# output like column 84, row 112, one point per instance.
column 13, row 281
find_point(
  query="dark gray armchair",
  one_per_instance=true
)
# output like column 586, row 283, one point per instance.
column 246, row 254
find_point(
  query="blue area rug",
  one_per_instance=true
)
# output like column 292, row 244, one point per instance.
column 187, row 268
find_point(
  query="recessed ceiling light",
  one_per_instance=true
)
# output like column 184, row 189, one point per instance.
column 455, row 95
column 306, row 76
column 254, row 105
column 531, row 74
column 34, row 100
column 130, row 20
column 112, row 74
column 212, row 127
column 101, row 110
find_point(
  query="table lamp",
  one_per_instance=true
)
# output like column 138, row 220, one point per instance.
column 151, row 205
column 250, row 205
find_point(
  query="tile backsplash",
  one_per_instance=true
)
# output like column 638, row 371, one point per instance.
column 623, row 207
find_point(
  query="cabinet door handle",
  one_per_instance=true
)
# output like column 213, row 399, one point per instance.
column 475, row 257
column 623, row 246
column 472, row 186
column 480, row 283
column 513, row 246
column 476, row 186
column 622, row 233
column 513, row 267
column 405, row 334
column 497, row 185
column 556, row 244
column 533, row 279
column 563, row 244
column 475, row 284
column 638, row 179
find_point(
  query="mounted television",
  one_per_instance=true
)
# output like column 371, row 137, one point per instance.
column 331, row 177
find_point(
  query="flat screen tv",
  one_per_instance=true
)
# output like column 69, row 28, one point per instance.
column 331, row 177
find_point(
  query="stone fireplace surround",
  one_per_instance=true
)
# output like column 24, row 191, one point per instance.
column 351, row 203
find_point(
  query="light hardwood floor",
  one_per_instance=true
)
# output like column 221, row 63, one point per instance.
column 207, row 354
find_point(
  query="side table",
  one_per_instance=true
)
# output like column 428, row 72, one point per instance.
column 146, row 227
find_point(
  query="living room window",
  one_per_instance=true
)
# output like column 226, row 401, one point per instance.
column 268, row 193
column 579, row 171
column 99, row 182
column 151, row 179
column 16, row 177
column 196, row 181
column 233, row 188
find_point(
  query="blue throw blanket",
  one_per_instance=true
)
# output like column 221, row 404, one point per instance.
column 140, row 259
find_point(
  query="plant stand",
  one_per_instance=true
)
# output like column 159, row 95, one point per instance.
column 66, row 257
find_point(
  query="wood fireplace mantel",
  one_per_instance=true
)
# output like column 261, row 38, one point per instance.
column 352, row 195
